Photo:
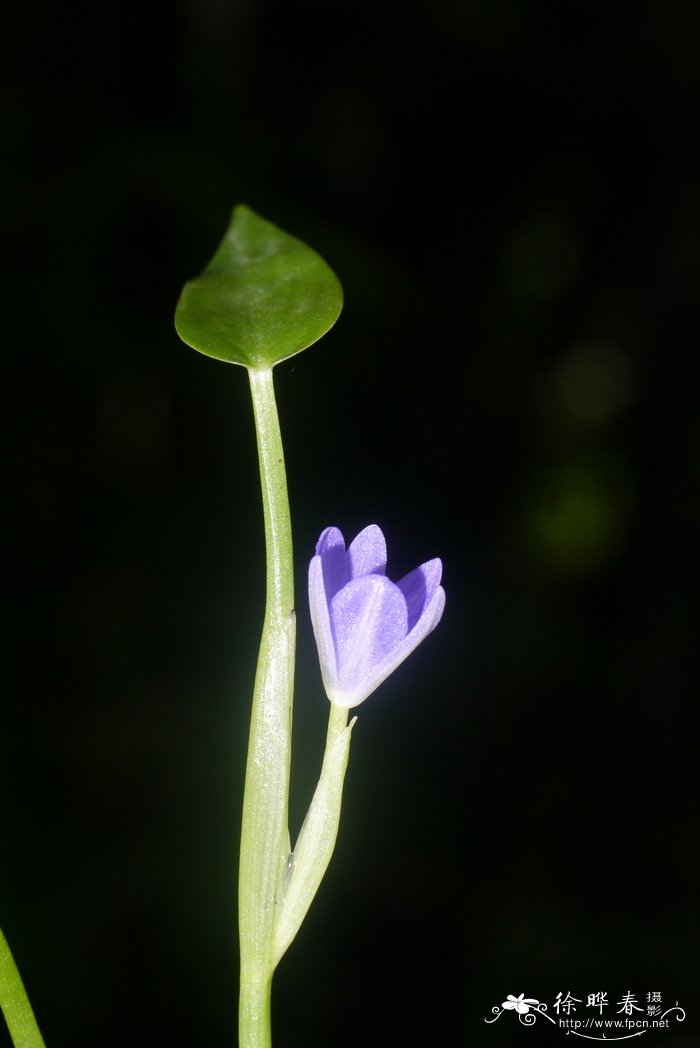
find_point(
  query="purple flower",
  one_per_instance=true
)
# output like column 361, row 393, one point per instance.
column 364, row 624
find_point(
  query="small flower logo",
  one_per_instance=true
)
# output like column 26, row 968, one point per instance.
column 520, row 1004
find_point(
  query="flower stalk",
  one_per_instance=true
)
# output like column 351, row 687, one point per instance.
column 314, row 847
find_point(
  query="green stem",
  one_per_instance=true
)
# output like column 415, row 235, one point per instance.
column 337, row 723
column 15, row 1003
column 314, row 847
column 264, row 831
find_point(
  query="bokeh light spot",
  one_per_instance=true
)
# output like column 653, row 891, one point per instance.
column 593, row 383
column 576, row 518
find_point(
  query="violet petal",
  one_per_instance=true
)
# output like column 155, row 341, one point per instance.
column 331, row 549
column 369, row 621
column 367, row 553
column 321, row 622
column 418, row 588
column 425, row 625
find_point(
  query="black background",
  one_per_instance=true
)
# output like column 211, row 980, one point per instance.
column 509, row 196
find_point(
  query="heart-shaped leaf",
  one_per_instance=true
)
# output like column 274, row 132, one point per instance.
column 263, row 297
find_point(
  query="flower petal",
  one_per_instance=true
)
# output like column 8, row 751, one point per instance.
column 331, row 549
column 418, row 588
column 321, row 622
column 367, row 553
column 426, row 623
column 369, row 622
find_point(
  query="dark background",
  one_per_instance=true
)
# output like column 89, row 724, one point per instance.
column 509, row 196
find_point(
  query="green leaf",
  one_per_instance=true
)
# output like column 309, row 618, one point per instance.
column 263, row 297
